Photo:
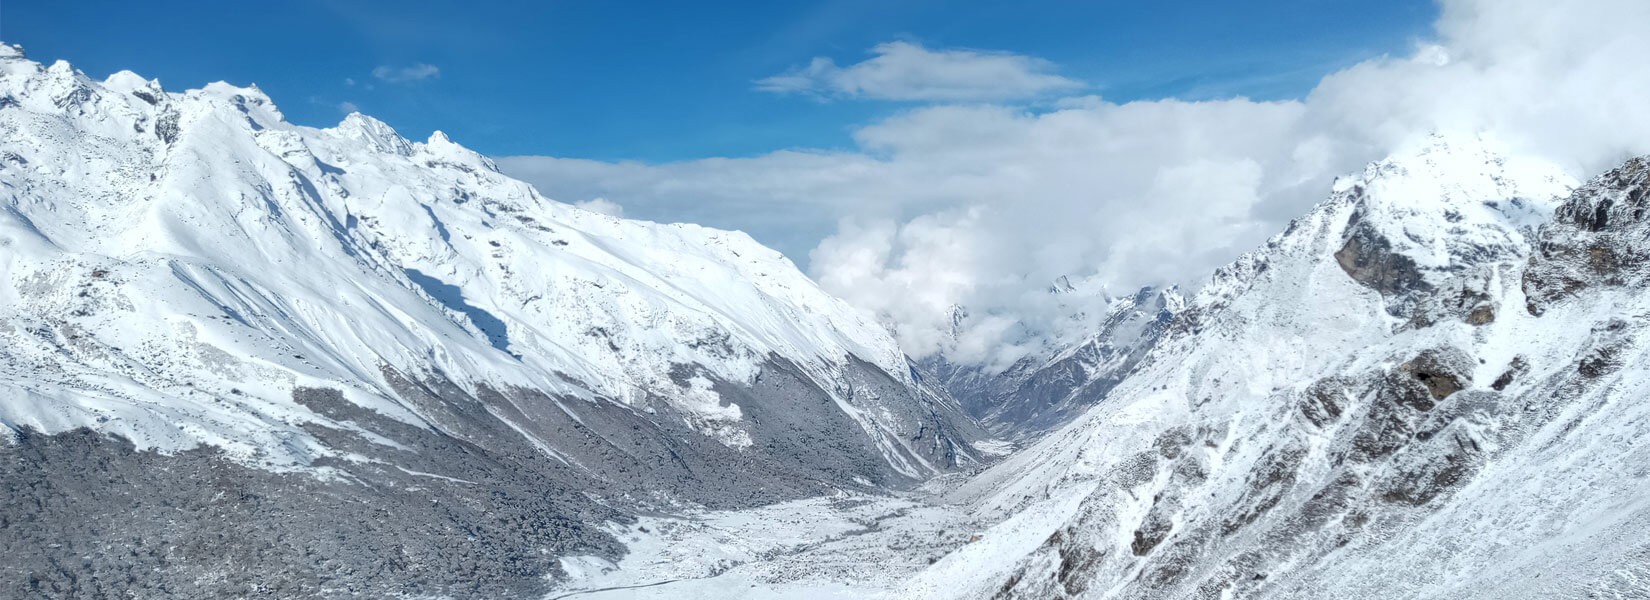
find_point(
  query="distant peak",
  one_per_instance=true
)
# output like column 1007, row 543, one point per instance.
column 1145, row 293
column 1171, row 299
column 12, row 51
column 127, row 81
column 375, row 132
column 439, row 145
column 1087, row 286
column 356, row 120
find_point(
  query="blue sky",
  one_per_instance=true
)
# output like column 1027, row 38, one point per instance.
column 917, row 156
column 664, row 81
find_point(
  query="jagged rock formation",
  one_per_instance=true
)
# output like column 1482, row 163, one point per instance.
column 1596, row 240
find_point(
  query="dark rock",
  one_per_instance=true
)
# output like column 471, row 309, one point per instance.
column 1149, row 536
column 1077, row 563
column 166, row 127
column 1441, row 372
column 1516, row 369
column 1596, row 238
column 1171, row 442
column 1320, row 403
column 1368, row 258
column 1271, row 479
column 1481, row 315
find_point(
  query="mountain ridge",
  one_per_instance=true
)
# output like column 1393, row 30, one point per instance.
column 191, row 284
column 1365, row 406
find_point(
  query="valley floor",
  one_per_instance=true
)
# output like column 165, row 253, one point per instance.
column 843, row 546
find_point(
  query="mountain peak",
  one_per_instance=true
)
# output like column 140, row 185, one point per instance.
column 443, row 148
column 1443, row 205
column 376, row 133
column 1453, row 178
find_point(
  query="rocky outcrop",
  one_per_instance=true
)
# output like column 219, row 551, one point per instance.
column 1595, row 240
column 1369, row 259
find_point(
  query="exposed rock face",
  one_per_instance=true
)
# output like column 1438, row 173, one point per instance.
column 1369, row 258
column 1596, row 239
column 1443, row 371
column 1429, row 260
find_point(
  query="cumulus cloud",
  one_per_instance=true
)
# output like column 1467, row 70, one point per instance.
column 982, row 206
column 418, row 72
column 603, row 206
column 908, row 71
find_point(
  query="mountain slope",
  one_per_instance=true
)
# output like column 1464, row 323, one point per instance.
column 1042, row 391
column 1413, row 392
column 214, row 289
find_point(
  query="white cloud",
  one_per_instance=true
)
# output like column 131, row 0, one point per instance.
column 983, row 206
column 348, row 107
column 603, row 206
column 418, row 72
column 907, row 71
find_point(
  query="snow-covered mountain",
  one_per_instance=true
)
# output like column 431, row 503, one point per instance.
column 1429, row 386
column 341, row 322
column 1044, row 390
column 245, row 358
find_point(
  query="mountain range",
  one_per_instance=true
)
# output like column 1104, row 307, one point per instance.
column 340, row 343
column 241, row 357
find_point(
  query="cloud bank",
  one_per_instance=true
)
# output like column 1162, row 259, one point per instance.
column 907, row 71
column 983, row 206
